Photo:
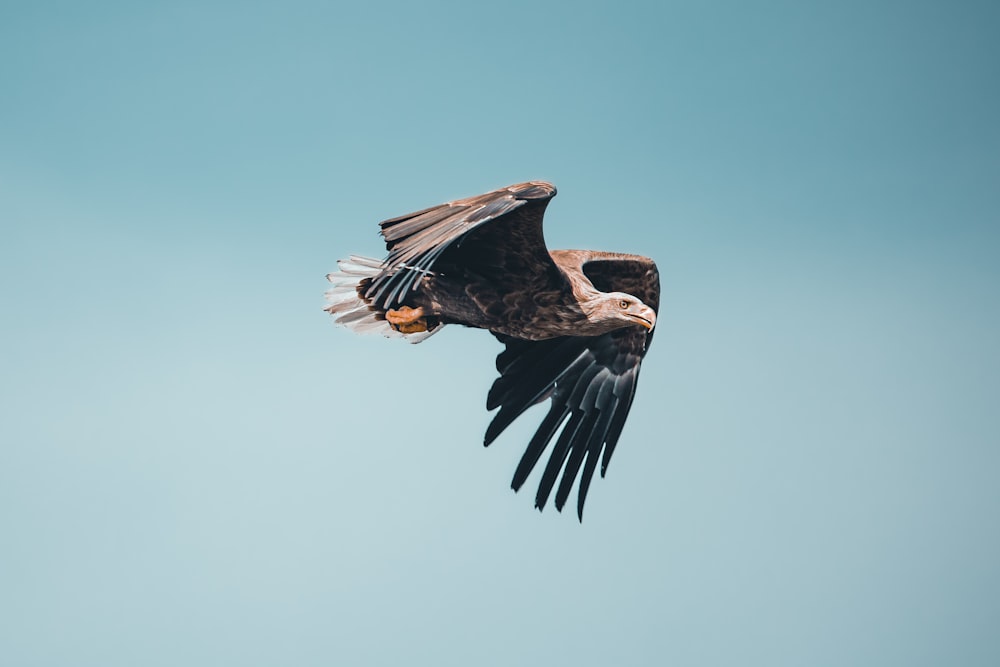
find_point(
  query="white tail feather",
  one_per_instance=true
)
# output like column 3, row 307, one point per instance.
column 350, row 310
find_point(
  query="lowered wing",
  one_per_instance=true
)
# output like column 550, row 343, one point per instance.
column 591, row 382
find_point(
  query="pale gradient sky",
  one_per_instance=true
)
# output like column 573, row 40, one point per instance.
column 197, row 468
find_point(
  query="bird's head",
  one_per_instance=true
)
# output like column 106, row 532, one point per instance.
column 623, row 309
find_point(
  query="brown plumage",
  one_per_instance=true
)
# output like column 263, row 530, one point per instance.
column 576, row 323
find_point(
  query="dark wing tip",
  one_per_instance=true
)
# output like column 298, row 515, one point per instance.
column 591, row 383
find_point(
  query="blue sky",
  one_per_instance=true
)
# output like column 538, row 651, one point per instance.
column 197, row 468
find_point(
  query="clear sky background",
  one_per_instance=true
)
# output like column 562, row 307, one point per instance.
column 197, row 468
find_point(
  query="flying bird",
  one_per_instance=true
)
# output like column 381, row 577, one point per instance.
column 575, row 324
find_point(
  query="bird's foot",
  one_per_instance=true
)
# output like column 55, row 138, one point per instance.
column 407, row 320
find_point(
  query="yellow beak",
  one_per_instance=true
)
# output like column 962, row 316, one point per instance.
column 645, row 317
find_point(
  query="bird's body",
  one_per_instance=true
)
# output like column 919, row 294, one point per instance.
column 575, row 323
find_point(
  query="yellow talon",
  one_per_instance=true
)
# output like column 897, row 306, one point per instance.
column 407, row 320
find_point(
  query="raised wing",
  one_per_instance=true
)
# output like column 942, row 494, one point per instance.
column 591, row 381
column 458, row 233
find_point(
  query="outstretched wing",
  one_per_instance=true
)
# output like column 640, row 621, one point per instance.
column 590, row 380
column 457, row 232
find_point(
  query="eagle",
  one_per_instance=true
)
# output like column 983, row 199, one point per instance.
column 575, row 324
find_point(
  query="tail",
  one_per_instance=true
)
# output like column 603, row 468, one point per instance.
column 352, row 310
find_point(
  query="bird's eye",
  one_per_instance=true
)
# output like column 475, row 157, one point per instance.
column 624, row 304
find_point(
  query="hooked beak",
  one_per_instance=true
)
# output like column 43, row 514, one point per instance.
column 645, row 317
